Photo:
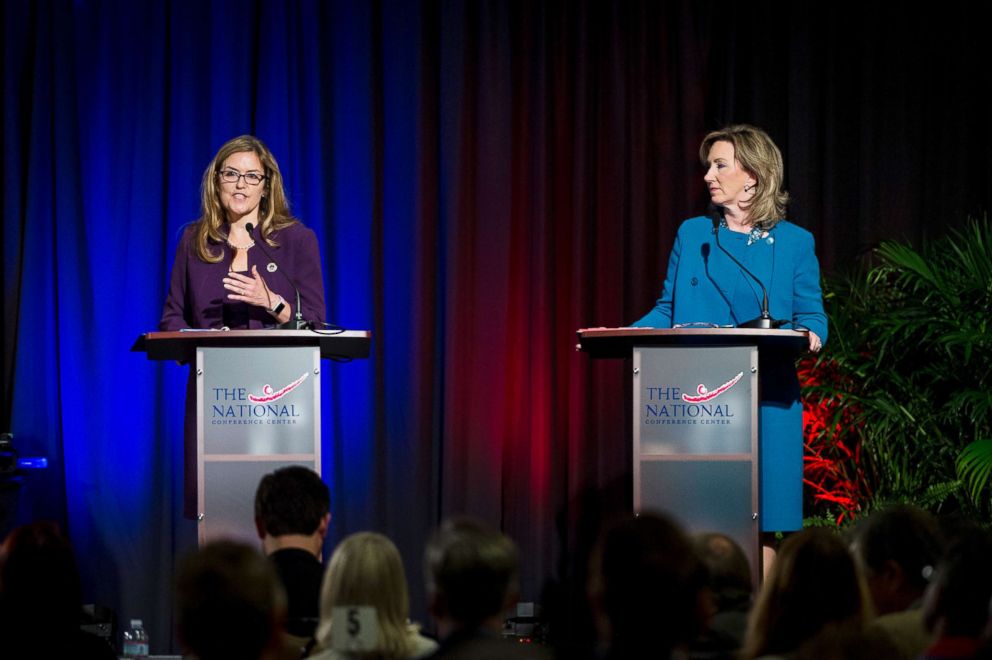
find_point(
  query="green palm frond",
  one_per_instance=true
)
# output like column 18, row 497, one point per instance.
column 936, row 495
column 911, row 342
column 975, row 467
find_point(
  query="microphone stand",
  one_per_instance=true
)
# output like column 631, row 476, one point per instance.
column 296, row 322
column 765, row 321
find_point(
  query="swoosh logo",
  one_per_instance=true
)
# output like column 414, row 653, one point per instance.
column 269, row 395
column 703, row 395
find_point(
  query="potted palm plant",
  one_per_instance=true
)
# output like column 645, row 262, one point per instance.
column 899, row 404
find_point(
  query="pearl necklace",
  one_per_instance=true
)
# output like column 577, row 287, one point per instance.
column 249, row 246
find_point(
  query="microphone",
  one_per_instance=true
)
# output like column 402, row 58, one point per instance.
column 296, row 323
column 765, row 321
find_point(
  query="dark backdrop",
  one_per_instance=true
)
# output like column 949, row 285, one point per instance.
column 484, row 178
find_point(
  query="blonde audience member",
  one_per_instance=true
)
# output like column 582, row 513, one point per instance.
column 366, row 570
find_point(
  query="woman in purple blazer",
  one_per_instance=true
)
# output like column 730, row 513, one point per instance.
column 704, row 286
column 221, row 278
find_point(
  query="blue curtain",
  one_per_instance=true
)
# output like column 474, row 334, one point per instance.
column 111, row 112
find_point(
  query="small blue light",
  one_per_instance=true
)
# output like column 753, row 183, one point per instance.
column 33, row 463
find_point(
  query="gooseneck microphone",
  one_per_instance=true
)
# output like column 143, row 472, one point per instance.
column 297, row 322
column 765, row 321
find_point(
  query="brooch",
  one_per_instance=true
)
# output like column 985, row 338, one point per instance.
column 754, row 235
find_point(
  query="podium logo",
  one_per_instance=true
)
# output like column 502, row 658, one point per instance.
column 235, row 405
column 268, row 395
column 703, row 395
column 669, row 405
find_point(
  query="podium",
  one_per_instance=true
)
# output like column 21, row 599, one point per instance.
column 257, row 409
column 695, row 422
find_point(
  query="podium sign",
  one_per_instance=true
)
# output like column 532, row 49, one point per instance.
column 695, row 401
column 696, row 437
column 253, row 416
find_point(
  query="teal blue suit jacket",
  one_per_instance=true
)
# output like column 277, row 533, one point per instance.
column 703, row 285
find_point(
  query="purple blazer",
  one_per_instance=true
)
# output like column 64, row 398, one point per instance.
column 197, row 297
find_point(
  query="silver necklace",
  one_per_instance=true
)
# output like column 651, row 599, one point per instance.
column 249, row 245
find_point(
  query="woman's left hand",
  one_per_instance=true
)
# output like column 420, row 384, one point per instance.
column 814, row 342
column 251, row 290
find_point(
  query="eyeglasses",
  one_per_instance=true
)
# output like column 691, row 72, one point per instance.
column 232, row 176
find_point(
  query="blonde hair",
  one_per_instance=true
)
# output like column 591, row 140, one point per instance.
column 273, row 210
column 366, row 570
column 813, row 585
column 755, row 151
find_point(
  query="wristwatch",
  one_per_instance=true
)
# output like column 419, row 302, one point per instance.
column 278, row 308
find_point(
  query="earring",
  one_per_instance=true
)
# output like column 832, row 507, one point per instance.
column 748, row 189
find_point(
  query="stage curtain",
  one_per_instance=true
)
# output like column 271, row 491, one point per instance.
column 483, row 177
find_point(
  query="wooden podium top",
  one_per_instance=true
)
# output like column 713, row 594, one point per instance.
column 618, row 342
column 181, row 345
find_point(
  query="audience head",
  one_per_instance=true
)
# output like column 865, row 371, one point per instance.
column 898, row 548
column 727, row 566
column 229, row 601
column 292, row 501
column 39, row 580
column 813, row 583
column 471, row 574
column 646, row 584
column 366, row 570
column 957, row 601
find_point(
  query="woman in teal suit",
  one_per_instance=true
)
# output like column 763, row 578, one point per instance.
column 704, row 286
